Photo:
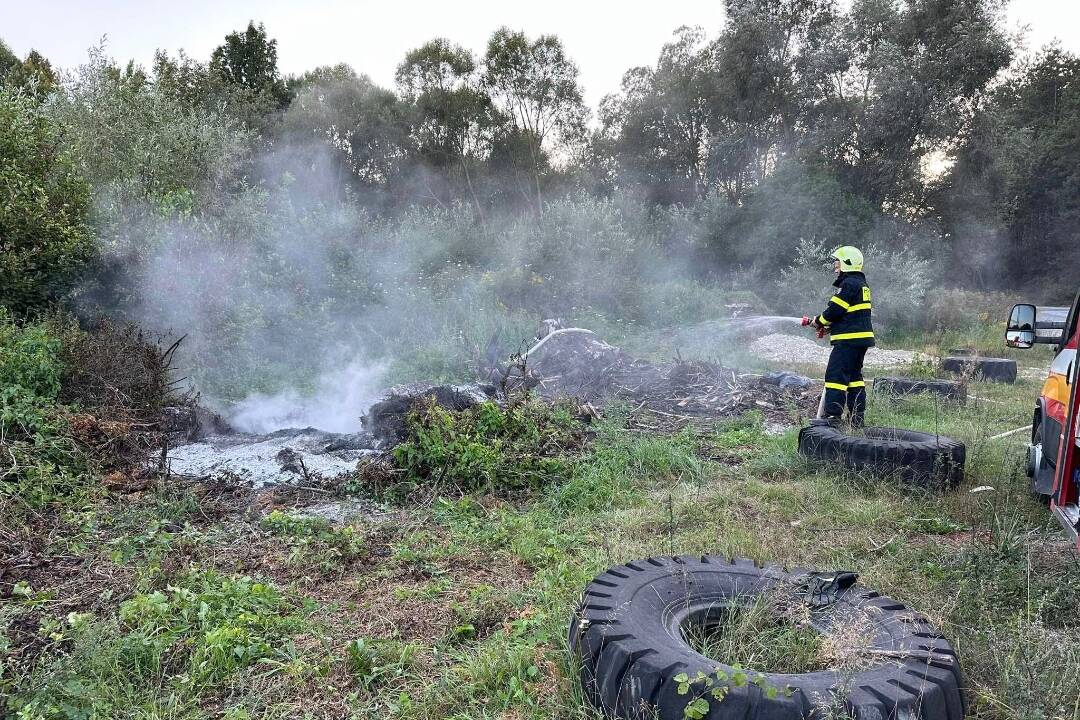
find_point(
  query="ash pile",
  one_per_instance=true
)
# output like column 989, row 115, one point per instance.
column 575, row 362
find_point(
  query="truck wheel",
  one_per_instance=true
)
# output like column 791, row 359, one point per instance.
column 932, row 461
column 899, row 387
column 989, row 369
column 629, row 636
column 1035, row 460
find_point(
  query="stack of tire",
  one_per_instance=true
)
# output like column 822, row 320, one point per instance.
column 924, row 459
column 629, row 636
column 967, row 362
column 896, row 387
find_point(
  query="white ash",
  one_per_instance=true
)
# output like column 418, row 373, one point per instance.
column 285, row 456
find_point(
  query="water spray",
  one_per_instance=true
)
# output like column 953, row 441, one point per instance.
column 766, row 318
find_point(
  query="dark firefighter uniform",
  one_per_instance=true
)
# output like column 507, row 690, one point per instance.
column 847, row 318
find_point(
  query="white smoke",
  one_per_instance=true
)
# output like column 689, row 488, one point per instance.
column 341, row 399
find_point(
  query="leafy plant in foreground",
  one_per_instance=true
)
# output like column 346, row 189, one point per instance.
column 489, row 447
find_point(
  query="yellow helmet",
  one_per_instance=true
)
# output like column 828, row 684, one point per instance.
column 850, row 258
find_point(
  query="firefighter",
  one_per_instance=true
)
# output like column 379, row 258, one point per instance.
column 847, row 320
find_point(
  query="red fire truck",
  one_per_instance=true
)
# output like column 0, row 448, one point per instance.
column 1054, row 453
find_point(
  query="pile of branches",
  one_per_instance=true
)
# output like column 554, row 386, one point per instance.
column 117, row 372
column 574, row 362
column 118, row 381
column 696, row 390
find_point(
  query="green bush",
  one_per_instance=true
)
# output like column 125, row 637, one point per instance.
column 956, row 309
column 39, row 462
column 218, row 624
column 489, row 448
column 30, row 373
column 43, row 215
column 52, row 369
column 899, row 279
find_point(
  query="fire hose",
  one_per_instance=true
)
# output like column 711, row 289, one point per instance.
column 821, row 330
column 806, row 320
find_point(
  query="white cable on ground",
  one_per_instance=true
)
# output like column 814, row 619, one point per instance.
column 1010, row 432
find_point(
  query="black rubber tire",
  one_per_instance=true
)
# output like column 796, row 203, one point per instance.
column 932, row 461
column 899, row 387
column 627, row 634
column 1036, row 437
column 989, row 369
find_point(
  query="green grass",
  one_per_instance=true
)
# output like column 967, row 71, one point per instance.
column 458, row 608
column 762, row 635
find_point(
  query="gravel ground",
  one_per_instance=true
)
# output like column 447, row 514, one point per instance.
column 795, row 350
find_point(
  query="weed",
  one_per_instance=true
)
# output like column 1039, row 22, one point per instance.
column 376, row 662
column 162, row 645
column 922, row 366
column 315, row 542
column 764, row 634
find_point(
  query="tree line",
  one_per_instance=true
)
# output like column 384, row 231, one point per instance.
column 908, row 125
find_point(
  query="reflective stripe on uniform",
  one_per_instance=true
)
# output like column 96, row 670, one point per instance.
column 853, row 336
column 836, row 299
column 823, row 321
column 836, row 386
column 860, row 306
column 857, row 383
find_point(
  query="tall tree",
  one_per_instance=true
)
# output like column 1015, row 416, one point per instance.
column 33, row 75
column 1012, row 199
column 658, row 128
column 363, row 123
column 452, row 118
column 248, row 61
column 896, row 82
column 536, row 85
column 758, row 103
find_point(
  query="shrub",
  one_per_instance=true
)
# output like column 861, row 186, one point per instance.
column 899, row 279
column 45, row 238
column 30, row 372
column 219, row 624
column 48, row 370
column 195, row 634
column 956, row 309
column 489, row 448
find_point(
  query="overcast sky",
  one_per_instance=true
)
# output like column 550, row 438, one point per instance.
column 604, row 38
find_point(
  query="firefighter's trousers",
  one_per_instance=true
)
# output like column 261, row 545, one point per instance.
column 844, row 385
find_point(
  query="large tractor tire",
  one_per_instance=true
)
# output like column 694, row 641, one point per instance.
column 990, row 369
column 901, row 387
column 932, row 461
column 629, row 636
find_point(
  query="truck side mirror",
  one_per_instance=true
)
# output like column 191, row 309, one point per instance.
column 1020, row 331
